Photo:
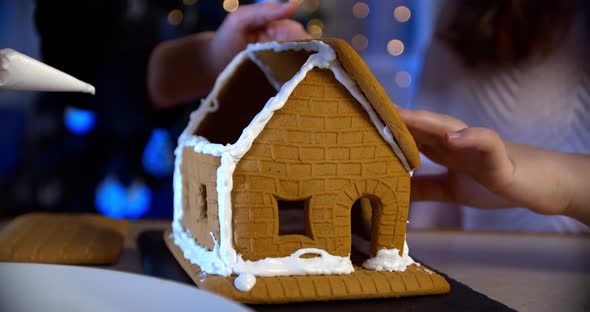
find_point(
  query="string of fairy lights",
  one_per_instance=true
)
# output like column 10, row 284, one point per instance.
column 395, row 47
column 315, row 26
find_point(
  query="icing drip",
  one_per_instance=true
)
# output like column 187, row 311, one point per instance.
column 208, row 261
column 295, row 265
column 245, row 282
column 390, row 260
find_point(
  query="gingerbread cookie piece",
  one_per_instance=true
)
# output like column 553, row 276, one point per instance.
column 63, row 239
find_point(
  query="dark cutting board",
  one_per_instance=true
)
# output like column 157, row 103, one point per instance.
column 158, row 261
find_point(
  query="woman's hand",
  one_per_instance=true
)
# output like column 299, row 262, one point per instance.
column 486, row 172
column 476, row 159
column 184, row 69
column 254, row 23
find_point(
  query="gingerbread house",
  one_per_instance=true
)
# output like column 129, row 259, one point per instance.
column 296, row 142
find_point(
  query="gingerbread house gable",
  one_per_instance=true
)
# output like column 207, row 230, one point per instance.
column 300, row 125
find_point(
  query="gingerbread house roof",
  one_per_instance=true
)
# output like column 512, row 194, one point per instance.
column 377, row 97
column 213, row 120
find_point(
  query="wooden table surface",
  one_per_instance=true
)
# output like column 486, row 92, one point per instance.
column 528, row 272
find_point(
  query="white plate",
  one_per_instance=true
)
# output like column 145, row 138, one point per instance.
column 47, row 288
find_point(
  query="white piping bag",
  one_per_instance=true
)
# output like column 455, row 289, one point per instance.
column 20, row 72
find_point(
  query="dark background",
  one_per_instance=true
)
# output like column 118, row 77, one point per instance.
column 108, row 45
column 111, row 152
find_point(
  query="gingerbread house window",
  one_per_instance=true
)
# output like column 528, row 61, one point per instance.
column 202, row 202
column 194, row 196
column 293, row 217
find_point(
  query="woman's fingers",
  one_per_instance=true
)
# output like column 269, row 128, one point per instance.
column 480, row 170
column 429, row 128
column 457, row 189
column 428, row 121
column 483, row 155
column 478, row 152
column 286, row 30
column 249, row 17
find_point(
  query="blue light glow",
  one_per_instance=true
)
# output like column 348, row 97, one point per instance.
column 79, row 121
column 158, row 155
column 139, row 198
column 111, row 198
column 114, row 200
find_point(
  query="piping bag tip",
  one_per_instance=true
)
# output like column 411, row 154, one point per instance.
column 21, row 72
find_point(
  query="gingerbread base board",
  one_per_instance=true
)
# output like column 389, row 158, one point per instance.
column 361, row 284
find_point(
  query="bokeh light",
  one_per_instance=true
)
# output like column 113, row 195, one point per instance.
column 231, row 5
column 360, row 10
column 310, row 6
column 139, row 199
column 360, row 42
column 402, row 14
column 158, row 155
column 189, row 2
column 111, row 198
column 114, row 200
column 79, row 121
column 403, row 79
column 175, row 17
column 395, row 47
column 315, row 27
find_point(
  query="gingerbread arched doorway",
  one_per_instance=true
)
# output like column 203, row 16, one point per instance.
column 388, row 209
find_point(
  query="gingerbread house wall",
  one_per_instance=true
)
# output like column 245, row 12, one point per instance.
column 199, row 201
column 321, row 145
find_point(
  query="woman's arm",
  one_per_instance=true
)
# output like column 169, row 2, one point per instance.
column 180, row 70
column 487, row 172
column 185, row 68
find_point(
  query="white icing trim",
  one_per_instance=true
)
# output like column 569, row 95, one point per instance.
column 209, row 261
column 390, row 260
column 223, row 254
column 265, row 69
column 384, row 131
column 295, row 265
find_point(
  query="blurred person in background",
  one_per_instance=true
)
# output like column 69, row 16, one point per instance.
column 520, row 68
